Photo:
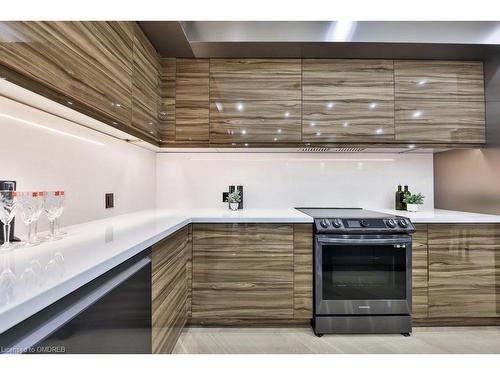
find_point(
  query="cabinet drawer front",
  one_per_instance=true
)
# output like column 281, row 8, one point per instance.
column 255, row 79
column 350, row 79
column 463, row 270
column 456, row 122
column 238, row 300
column 326, row 121
column 439, row 80
column 255, row 121
column 242, row 233
column 244, row 263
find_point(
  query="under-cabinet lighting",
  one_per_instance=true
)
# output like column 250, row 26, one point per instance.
column 43, row 127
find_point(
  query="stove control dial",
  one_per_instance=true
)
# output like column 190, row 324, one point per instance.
column 336, row 223
column 364, row 223
column 325, row 223
column 402, row 223
column 391, row 223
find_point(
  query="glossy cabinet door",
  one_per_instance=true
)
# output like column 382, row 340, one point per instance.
column 167, row 100
column 440, row 121
column 242, row 272
column 464, row 264
column 439, row 80
column 169, row 289
column 302, row 271
column 89, row 64
column 255, row 100
column 347, row 100
column 145, row 85
column 439, row 101
column 419, row 272
column 192, row 100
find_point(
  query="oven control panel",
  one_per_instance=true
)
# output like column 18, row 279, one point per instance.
column 351, row 225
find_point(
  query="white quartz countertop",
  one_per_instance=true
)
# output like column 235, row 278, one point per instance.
column 33, row 278
column 443, row 216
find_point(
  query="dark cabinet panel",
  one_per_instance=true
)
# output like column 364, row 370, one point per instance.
column 439, row 80
column 167, row 100
column 255, row 121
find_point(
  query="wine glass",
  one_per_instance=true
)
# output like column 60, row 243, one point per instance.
column 51, row 209
column 8, row 207
column 38, row 213
column 28, row 202
column 60, row 211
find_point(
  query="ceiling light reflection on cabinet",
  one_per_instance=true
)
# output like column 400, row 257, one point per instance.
column 287, row 114
column 417, row 114
column 280, row 131
column 219, row 106
column 379, row 131
column 345, row 124
column 312, row 124
column 421, row 82
column 372, row 105
column 330, row 105
column 240, row 106
column 243, row 132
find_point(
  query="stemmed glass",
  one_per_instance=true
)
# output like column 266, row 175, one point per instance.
column 29, row 203
column 8, row 207
column 51, row 209
column 60, row 211
column 38, row 213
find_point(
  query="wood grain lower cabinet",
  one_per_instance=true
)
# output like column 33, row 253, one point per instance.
column 302, row 271
column 464, row 270
column 242, row 272
column 419, row 272
column 170, row 289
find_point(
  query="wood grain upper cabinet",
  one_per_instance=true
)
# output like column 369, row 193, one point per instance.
column 88, row 63
column 255, row 100
column 167, row 100
column 439, row 101
column 347, row 100
column 242, row 271
column 464, row 264
column 145, row 85
column 192, row 100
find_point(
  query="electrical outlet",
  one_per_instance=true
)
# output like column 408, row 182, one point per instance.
column 109, row 200
column 225, row 196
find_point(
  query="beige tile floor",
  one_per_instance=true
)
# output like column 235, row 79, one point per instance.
column 428, row 340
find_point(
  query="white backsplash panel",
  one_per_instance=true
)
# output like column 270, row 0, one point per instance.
column 277, row 180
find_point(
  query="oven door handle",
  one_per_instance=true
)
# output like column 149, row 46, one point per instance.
column 367, row 241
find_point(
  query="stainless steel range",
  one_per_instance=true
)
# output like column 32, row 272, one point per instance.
column 362, row 271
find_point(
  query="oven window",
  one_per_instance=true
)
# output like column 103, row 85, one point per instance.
column 367, row 272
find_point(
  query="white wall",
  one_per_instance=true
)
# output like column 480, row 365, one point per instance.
column 292, row 179
column 86, row 167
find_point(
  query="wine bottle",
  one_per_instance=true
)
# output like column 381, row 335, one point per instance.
column 399, row 198
column 405, row 193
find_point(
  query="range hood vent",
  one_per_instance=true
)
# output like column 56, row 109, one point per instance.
column 314, row 149
column 348, row 149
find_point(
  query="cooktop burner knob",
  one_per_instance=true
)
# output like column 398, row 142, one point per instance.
column 391, row 223
column 324, row 223
column 402, row 223
column 364, row 223
column 336, row 223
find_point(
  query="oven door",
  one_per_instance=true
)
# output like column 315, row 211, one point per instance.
column 362, row 274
